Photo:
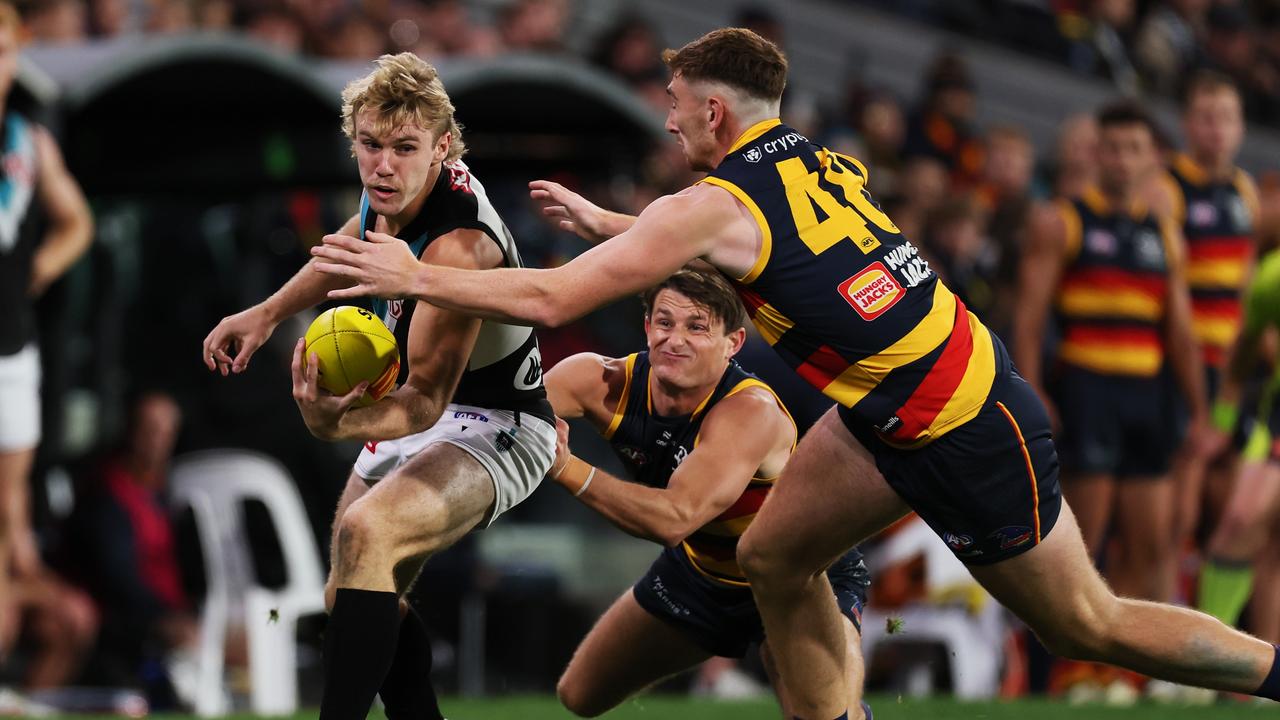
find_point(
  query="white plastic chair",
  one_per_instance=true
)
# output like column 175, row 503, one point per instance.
column 215, row 484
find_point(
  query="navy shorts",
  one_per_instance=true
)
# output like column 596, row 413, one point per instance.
column 723, row 619
column 1121, row 426
column 989, row 488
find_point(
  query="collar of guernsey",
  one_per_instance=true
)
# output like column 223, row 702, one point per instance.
column 752, row 133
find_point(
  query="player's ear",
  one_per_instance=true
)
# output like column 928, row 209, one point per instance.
column 736, row 339
column 715, row 112
column 442, row 146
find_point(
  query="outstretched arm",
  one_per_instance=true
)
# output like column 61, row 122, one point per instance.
column 668, row 234
column 738, row 436
column 228, row 347
column 577, row 214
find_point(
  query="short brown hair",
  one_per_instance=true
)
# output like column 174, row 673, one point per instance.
column 1206, row 81
column 404, row 89
column 736, row 57
column 708, row 290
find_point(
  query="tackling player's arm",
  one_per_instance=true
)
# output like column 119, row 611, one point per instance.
column 439, row 346
column 738, row 436
column 669, row 233
column 579, row 385
column 1038, row 276
column 1184, row 351
column 70, row 222
column 247, row 330
column 577, row 214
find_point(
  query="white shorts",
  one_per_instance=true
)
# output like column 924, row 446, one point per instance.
column 516, row 449
column 20, row 400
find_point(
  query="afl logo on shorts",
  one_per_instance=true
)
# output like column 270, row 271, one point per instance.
column 872, row 292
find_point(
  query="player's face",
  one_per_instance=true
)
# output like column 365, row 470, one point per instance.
column 689, row 119
column 1126, row 154
column 395, row 166
column 1214, row 123
column 688, row 346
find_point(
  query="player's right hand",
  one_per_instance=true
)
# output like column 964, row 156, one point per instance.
column 241, row 334
column 576, row 214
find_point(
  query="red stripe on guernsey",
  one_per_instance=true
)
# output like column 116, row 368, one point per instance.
column 1219, row 248
column 750, row 298
column 1096, row 335
column 1213, row 356
column 1216, row 307
column 747, row 503
column 932, row 394
column 822, row 367
column 1151, row 283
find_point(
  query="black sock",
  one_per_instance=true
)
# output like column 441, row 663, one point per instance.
column 1270, row 688
column 407, row 692
column 358, row 646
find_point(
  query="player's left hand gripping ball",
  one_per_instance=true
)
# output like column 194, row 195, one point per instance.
column 380, row 265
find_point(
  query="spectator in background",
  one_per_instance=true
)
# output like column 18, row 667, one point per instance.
column 941, row 130
column 109, row 18
column 1168, row 42
column 534, row 25
column 1005, row 196
column 763, row 22
column 1075, row 165
column 215, row 15
column 442, row 27
column 1099, row 44
column 355, row 36
column 958, row 251
column 632, row 51
column 57, row 21
column 121, row 542
column 274, row 24
column 171, row 16
column 1232, row 48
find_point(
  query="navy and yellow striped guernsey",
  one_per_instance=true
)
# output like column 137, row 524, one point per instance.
column 846, row 300
column 1218, row 220
column 1112, row 299
column 653, row 446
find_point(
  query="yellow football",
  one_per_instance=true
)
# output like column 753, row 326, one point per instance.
column 352, row 346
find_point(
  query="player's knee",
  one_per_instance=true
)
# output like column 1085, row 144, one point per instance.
column 576, row 698
column 361, row 534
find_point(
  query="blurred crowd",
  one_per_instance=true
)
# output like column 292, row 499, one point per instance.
column 963, row 193
column 1142, row 46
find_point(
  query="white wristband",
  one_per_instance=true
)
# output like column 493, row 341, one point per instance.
column 586, row 484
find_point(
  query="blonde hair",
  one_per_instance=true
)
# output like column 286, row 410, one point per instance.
column 403, row 90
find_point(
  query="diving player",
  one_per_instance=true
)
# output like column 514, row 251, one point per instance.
column 931, row 414
column 705, row 442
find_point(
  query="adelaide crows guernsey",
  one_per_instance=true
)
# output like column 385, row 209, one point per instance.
column 846, row 300
column 1111, row 300
column 653, row 446
column 1218, row 219
column 504, row 371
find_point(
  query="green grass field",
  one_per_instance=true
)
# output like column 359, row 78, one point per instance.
column 886, row 708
